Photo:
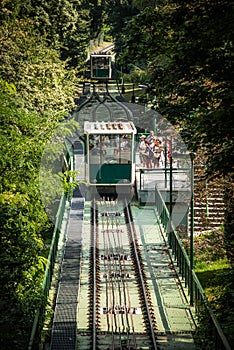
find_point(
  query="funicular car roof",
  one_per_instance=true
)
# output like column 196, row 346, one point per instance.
column 109, row 127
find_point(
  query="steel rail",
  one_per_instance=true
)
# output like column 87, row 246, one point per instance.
column 106, row 103
column 114, row 246
column 107, row 48
column 116, row 283
column 132, row 235
column 120, row 279
column 106, row 271
column 94, row 111
column 126, row 295
column 127, row 110
column 120, row 282
column 111, row 281
column 127, row 302
column 94, row 261
column 113, row 268
column 109, row 298
column 127, row 299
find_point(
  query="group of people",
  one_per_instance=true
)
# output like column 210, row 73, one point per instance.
column 150, row 151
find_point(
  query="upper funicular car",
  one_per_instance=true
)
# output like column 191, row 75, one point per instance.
column 101, row 66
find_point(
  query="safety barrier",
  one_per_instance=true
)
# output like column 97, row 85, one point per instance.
column 38, row 319
column 197, row 295
column 51, row 259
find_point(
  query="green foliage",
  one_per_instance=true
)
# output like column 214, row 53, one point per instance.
column 188, row 52
column 209, row 247
column 218, row 285
column 24, row 224
column 69, row 181
column 64, row 23
column 55, row 176
column 5, row 87
column 97, row 16
column 136, row 75
column 141, row 4
column 204, row 337
column 229, row 221
column 116, row 20
column 41, row 79
column 39, row 42
column 22, row 266
column 216, row 276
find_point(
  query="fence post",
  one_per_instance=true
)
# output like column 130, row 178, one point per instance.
column 170, row 200
column 191, row 231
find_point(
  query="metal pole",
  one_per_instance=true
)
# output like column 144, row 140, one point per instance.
column 121, row 73
column 140, row 177
column 133, row 100
column 155, row 126
column 191, row 231
column 170, row 201
column 146, row 104
column 165, row 165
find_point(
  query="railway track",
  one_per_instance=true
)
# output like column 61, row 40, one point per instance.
column 112, row 308
column 120, row 311
column 102, row 106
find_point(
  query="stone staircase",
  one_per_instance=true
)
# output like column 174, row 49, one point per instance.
column 208, row 202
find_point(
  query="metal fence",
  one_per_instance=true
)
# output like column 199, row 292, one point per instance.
column 197, row 295
column 38, row 319
column 51, row 259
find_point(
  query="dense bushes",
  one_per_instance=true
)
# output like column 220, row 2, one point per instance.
column 37, row 91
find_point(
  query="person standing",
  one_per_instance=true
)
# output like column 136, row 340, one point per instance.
column 141, row 149
column 150, row 136
column 157, row 153
column 148, row 155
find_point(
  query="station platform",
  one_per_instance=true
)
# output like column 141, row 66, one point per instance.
column 177, row 191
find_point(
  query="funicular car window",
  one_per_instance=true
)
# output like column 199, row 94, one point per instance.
column 100, row 62
column 114, row 148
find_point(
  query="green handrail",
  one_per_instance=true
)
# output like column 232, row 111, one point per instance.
column 38, row 319
column 190, row 278
column 48, row 271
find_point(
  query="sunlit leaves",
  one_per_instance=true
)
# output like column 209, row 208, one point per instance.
column 37, row 90
column 24, row 223
column 41, row 79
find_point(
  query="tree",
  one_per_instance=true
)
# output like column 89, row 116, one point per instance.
column 188, row 50
column 41, row 78
column 24, row 224
column 37, row 91
column 63, row 23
